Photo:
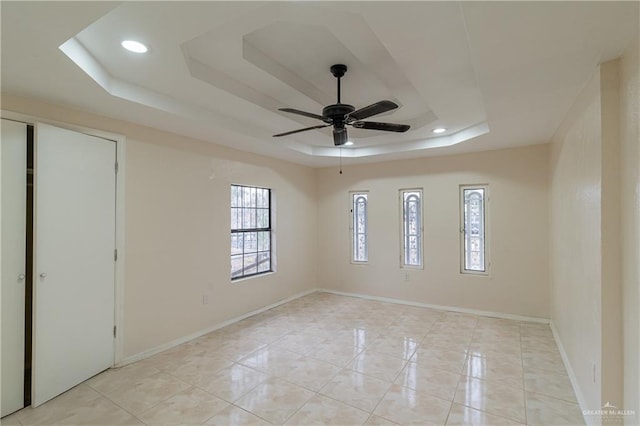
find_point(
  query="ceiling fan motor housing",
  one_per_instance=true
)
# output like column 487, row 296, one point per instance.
column 338, row 70
column 337, row 112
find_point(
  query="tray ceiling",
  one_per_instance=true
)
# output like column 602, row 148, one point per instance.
column 495, row 75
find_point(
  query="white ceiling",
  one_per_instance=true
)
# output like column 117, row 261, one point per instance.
column 495, row 74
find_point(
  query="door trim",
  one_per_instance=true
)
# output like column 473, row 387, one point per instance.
column 119, row 285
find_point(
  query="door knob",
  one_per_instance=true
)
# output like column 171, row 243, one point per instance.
column 43, row 275
column 21, row 277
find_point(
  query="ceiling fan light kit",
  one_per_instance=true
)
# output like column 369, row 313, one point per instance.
column 340, row 115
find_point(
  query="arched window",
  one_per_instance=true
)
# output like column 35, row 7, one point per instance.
column 473, row 228
column 412, row 227
column 359, row 241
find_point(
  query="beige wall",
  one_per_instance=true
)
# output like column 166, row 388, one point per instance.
column 575, row 216
column 177, row 228
column 594, row 237
column 518, row 222
column 178, row 237
column 630, row 223
column 611, row 284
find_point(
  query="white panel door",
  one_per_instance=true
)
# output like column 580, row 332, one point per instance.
column 75, row 192
column 14, row 214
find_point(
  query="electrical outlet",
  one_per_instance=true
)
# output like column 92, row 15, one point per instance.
column 406, row 277
column 205, row 299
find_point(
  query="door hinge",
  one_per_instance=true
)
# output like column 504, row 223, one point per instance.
column 116, row 167
column 115, row 255
column 114, row 331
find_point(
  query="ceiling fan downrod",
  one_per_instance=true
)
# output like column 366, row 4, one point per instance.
column 338, row 71
column 340, row 115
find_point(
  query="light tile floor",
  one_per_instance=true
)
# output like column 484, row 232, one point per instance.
column 327, row 359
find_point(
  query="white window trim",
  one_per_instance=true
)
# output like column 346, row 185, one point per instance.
column 487, row 257
column 402, row 225
column 272, row 236
column 274, row 256
column 352, row 194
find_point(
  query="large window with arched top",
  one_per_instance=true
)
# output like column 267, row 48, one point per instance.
column 411, row 200
column 359, row 224
column 473, row 217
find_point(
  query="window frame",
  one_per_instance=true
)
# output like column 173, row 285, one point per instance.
column 268, row 229
column 403, row 226
column 352, row 227
column 463, row 235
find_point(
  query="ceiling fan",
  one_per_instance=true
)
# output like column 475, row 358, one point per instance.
column 340, row 115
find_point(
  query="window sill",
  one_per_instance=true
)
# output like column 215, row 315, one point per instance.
column 412, row 267
column 475, row 273
column 250, row 277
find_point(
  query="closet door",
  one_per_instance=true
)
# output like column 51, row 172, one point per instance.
column 74, row 289
column 14, row 211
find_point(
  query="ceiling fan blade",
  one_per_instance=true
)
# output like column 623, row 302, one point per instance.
column 306, row 114
column 373, row 109
column 339, row 137
column 301, row 130
column 387, row 127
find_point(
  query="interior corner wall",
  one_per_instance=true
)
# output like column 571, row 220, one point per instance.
column 177, row 228
column 178, row 241
column 518, row 231
column 594, row 238
column 630, row 223
column 575, row 241
column 611, row 284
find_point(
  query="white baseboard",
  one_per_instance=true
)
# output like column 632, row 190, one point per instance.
column 440, row 307
column 148, row 353
column 591, row 420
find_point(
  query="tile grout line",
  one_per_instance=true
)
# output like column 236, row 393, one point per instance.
column 247, row 411
column 118, row 405
column 299, row 408
column 466, row 358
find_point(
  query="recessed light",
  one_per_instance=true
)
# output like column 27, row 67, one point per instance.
column 348, row 143
column 439, row 130
column 134, row 46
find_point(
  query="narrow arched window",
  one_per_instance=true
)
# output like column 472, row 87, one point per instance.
column 412, row 227
column 359, row 224
column 473, row 230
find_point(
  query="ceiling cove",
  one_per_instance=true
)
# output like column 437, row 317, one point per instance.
column 236, row 72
